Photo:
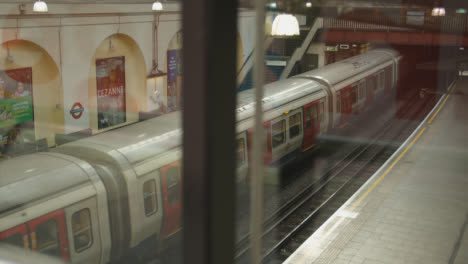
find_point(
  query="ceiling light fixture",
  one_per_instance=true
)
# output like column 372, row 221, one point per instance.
column 40, row 7
column 285, row 25
column 438, row 11
column 309, row 4
column 272, row 5
column 157, row 6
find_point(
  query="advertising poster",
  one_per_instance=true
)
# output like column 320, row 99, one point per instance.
column 172, row 71
column 16, row 103
column 110, row 78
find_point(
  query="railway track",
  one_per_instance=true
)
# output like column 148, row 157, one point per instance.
column 296, row 220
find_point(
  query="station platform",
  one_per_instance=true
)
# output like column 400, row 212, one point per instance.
column 415, row 208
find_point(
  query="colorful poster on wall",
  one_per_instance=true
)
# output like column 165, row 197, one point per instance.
column 173, row 69
column 16, row 101
column 110, row 78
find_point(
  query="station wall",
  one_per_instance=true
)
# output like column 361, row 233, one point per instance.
column 62, row 51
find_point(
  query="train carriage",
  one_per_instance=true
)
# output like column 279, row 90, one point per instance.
column 356, row 82
column 119, row 194
column 145, row 177
column 292, row 117
column 56, row 205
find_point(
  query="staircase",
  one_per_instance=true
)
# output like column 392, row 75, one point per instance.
column 282, row 56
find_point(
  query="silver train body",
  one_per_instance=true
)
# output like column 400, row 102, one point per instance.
column 118, row 194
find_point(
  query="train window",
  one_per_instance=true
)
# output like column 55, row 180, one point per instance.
column 322, row 111
column 308, row 118
column 173, row 188
column 354, row 94
column 295, row 125
column 278, row 131
column 82, row 230
column 240, row 151
column 315, row 114
column 149, row 197
column 47, row 237
column 14, row 240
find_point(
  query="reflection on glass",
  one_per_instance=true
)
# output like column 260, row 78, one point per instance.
column 90, row 131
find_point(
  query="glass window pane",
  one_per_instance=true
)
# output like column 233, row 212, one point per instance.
column 82, row 230
column 47, row 235
column 278, row 133
column 295, row 125
column 14, row 240
column 308, row 113
column 149, row 196
column 173, row 187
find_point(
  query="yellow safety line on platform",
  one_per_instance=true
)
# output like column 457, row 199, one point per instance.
column 306, row 256
column 443, row 103
column 388, row 170
column 309, row 253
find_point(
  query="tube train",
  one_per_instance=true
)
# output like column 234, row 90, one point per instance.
column 118, row 195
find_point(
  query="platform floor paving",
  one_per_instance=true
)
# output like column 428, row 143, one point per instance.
column 415, row 208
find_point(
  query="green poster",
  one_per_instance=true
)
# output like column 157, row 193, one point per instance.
column 15, row 111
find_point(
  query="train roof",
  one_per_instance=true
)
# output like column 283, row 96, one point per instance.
column 276, row 95
column 156, row 136
column 340, row 71
column 138, row 141
column 45, row 175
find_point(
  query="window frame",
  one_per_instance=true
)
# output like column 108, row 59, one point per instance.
column 172, row 186
column 273, row 134
column 90, row 230
column 155, row 197
column 297, row 124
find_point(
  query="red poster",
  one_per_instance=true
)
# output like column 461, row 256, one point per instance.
column 110, row 78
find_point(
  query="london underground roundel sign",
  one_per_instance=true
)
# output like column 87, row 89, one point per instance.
column 77, row 110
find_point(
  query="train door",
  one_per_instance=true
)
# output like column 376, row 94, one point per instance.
column 49, row 235
column 346, row 106
column 172, row 195
column 380, row 81
column 82, row 229
column 267, row 143
column 388, row 79
column 322, row 117
column 354, row 98
column 278, row 138
column 361, row 94
column 311, row 125
column 16, row 236
column 337, row 114
column 370, row 87
column 294, row 130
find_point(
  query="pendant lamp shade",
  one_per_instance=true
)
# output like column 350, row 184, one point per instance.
column 157, row 6
column 438, row 11
column 285, row 25
column 40, row 7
